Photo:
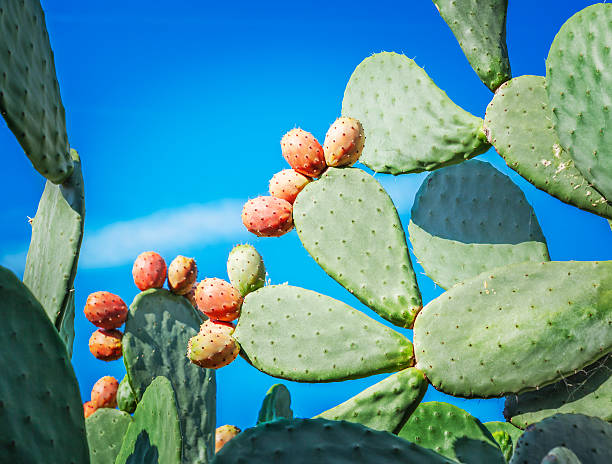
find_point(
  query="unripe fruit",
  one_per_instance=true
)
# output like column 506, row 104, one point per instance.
column 104, row 392
column 182, row 274
column 105, row 344
column 218, row 299
column 89, row 408
column 224, row 434
column 149, row 271
column 267, row 216
column 287, row 184
column 343, row 142
column 105, row 310
column 245, row 268
column 303, row 152
column 213, row 347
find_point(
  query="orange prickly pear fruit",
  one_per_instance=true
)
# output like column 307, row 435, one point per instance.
column 303, row 152
column 149, row 271
column 105, row 310
column 268, row 216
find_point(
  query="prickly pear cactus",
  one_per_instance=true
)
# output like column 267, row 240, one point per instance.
column 276, row 405
column 105, row 430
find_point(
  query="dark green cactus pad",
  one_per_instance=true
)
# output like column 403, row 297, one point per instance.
column 245, row 268
column 57, row 232
column 507, row 427
column 126, row 399
column 66, row 324
column 41, row 415
column 453, row 433
column 301, row 335
column 588, row 437
column 29, row 93
column 154, row 435
column 409, row 123
column 510, row 330
column 561, row 455
column 157, row 330
column 480, row 29
column 348, row 210
column 520, row 127
column 578, row 81
column 308, row 441
column 105, row 430
column 276, row 405
column 587, row 392
column 469, row 218
column 386, row 405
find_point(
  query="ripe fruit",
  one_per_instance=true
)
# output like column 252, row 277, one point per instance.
column 213, row 347
column 224, row 434
column 303, row 152
column 218, row 299
column 182, row 274
column 105, row 310
column 89, row 408
column 344, row 142
column 149, row 271
column 245, row 268
column 104, row 392
column 105, row 344
column 267, row 216
column 287, row 184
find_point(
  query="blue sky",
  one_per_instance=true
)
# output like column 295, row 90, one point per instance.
column 177, row 112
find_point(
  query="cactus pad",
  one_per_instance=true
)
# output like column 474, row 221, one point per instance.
column 510, row 330
column 301, row 335
column 157, row 330
column 245, row 268
column 105, row 430
column 410, row 124
column 66, row 324
column 348, row 210
column 276, row 404
column 126, row 399
column 578, row 81
column 560, row 455
column 469, row 218
column 507, row 427
column 386, row 405
column 29, row 93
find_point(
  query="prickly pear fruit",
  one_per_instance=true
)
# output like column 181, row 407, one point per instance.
column 303, row 152
column 105, row 310
column 287, row 184
column 268, row 216
column 182, row 274
column 105, row 344
column 190, row 295
column 149, row 271
column 104, row 392
column 218, row 299
column 213, row 347
column 224, row 434
column 89, row 408
column 343, row 142
column 245, row 268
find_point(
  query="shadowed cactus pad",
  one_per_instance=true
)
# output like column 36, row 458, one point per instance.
column 126, row 399
column 276, row 404
column 105, row 431
column 561, row 455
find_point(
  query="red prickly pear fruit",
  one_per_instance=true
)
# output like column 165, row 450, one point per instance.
column 106, row 345
column 231, row 325
column 343, row 142
column 89, row 408
column 268, row 216
column 182, row 274
column 104, row 392
column 190, row 295
column 224, row 434
column 287, row 184
column 149, row 271
column 303, row 152
column 213, row 347
column 218, row 299
column 105, row 310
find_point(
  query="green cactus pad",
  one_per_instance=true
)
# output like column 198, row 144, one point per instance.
column 588, row 392
column 507, row 427
column 469, row 218
column 504, row 440
column 409, row 123
column 520, row 127
column 29, row 93
column 348, row 210
column 245, row 268
column 560, row 455
column 41, row 414
column 66, row 324
column 510, row 330
column 126, row 399
column 453, row 433
column 386, row 405
column 57, row 232
column 157, row 330
column 578, row 81
column 301, row 335
column 105, row 430
column 588, row 437
column 480, row 29
column 276, row 405
column 154, row 435
column 308, row 441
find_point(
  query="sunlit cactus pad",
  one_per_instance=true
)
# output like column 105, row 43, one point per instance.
column 105, row 430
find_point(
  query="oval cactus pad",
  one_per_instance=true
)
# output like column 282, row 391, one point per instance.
column 105, row 430
column 276, row 404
